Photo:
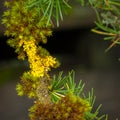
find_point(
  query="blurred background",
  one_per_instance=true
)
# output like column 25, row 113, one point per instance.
column 77, row 48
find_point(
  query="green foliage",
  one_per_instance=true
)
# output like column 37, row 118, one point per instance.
column 60, row 86
column 108, row 20
column 50, row 8
column 93, row 114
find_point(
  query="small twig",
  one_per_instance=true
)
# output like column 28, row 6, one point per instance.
column 116, row 39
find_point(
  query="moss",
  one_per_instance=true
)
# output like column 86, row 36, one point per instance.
column 69, row 107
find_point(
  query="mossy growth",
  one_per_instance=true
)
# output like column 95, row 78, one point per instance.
column 69, row 107
column 28, row 24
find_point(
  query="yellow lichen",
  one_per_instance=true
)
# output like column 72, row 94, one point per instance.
column 38, row 65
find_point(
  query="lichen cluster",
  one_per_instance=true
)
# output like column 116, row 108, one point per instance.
column 55, row 98
column 27, row 32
